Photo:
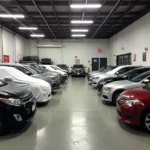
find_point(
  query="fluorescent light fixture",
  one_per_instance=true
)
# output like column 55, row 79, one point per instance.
column 37, row 35
column 28, row 28
column 78, row 6
column 11, row 16
column 79, row 30
column 82, row 21
column 78, row 35
column 49, row 46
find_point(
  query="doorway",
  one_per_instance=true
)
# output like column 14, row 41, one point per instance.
column 95, row 64
column 103, row 62
column 124, row 59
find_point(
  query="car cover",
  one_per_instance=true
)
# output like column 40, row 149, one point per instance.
column 40, row 89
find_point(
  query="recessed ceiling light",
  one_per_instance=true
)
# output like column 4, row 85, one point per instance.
column 79, row 30
column 78, row 6
column 78, row 35
column 37, row 35
column 82, row 21
column 11, row 16
column 28, row 28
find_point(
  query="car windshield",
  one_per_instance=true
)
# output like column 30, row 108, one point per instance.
column 140, row 77
column 109, row 68
column 78, row 66
column 31, row 70
column 36, row 70
column 2, row 83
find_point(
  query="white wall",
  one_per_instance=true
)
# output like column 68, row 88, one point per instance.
column 135, row 38
column 83, row 49
column 12, row 45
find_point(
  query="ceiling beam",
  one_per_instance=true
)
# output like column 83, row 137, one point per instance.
column 43, row 18
column 65, row 3
column 52, row 3
column 109, row 15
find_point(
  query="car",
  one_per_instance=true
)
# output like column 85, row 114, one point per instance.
column 133, row 107
column 51, row 78
column 126, row 76
column 111, row 91
column 112, row 73
column 64, row 76
column 17, row 105
column 78, row 70
column 64, row 67
column 40, row 89
column 103, row 71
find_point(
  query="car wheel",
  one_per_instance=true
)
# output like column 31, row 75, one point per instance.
column 115, row 97
column 146, row 121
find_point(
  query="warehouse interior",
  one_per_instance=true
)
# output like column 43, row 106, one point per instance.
column 75, row 116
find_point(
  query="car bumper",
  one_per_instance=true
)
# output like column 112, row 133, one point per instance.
column 130, row 115
column 19, row 115
column 106, row 96
column 55, row 85
column 78, row 73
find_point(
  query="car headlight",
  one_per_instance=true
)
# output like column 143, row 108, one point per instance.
column 133, row 102
column 11, row 101
column 109, row 89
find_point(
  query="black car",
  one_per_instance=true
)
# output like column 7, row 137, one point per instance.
column 17, row 106
column 78, row 70
column 126, row 76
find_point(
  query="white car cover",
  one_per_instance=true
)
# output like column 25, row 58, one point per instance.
column 40, row 89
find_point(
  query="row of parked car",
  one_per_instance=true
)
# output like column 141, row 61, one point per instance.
column 127, row 87
column 22, row 86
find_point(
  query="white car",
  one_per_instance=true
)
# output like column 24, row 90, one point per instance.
column 113, row 73
column 58, row 68
column 40, row 89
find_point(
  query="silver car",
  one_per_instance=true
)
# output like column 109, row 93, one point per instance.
column 111, row 91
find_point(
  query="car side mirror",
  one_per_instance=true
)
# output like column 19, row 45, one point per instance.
column 8, row 78
column 146, row 81
column 117, row 73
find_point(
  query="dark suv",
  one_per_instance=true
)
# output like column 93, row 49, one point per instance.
column 78, row 70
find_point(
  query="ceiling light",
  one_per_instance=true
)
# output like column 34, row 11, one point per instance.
column 37, row 35
column 79, row 30
column 78, row 6
column 11, row 16
column 78, row 35
column 82, row 21
column 28, row 28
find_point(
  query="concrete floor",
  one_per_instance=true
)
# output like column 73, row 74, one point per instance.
column 76, row 119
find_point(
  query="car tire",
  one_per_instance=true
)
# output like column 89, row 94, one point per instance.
column 146, row 121
column 115, row 96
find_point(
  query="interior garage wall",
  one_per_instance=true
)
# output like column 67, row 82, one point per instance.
column 12, row 45
column 133, row 39
column 83, row 49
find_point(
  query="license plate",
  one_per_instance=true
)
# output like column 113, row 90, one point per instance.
column 33, row 107
column 78, row 73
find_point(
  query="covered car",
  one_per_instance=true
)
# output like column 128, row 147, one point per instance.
column 40, row 89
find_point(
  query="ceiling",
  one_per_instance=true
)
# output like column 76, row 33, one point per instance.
column 52, row 17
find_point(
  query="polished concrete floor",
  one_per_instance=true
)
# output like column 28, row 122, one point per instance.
column 76, row 119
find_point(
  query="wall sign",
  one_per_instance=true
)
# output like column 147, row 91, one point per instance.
column 134, row 57
column 99, row 50
column 5, row 58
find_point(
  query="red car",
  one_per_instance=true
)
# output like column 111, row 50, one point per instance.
column 133, row 107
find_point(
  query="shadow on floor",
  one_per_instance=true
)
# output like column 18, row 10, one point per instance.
column 13, row 134
column 136, row 130
column 108, row 103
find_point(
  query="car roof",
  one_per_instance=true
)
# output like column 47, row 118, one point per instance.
column 10, row 64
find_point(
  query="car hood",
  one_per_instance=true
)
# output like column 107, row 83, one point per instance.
column 134, row 94
column 11, row 90
column 124, row 84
